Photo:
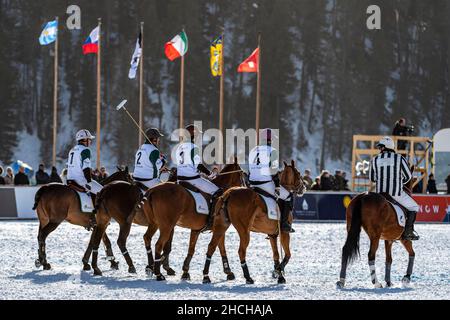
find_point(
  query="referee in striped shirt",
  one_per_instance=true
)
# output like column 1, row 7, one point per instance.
column 390, row 172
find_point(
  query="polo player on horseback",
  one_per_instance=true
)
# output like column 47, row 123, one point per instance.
column 263, row 174
column 79, row 172
column 189, row 167
column 390, row 171
column 148, row 160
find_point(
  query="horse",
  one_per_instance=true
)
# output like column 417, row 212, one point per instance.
column 170, row 204
column 56, row 202
column 245, row 210
column 375, row 215
column 118, row 200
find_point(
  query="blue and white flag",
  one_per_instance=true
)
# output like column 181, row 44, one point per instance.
column 136, row 57
column 49, row 33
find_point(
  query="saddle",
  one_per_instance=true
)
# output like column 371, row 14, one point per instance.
column 87, row 200
column 75, row 186
column 270, row 201
column 400, row 210
column 202, row 200
column 389, row 198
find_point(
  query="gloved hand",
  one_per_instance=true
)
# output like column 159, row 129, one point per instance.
column 88, row 187
column 277, row 191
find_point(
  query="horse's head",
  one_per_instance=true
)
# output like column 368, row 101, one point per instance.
column 291, row 179
column 231, row 175
column 120, row 175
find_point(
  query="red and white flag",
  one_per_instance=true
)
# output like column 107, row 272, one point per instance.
column 251, row 63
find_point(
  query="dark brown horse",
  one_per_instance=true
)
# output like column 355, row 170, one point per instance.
column 118, row 201
column 375, row 215
column 168, row 205
column 245, row 210
column 57, row 202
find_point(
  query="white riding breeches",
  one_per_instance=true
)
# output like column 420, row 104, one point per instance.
column 95, row 186
column 204, row 185
column 270, row 188
column 150, row 183
column 408, row 202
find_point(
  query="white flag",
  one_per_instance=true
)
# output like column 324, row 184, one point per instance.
column 136, row 57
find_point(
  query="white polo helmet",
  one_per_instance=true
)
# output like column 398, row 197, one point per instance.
column 84, row 134
column 387, row 142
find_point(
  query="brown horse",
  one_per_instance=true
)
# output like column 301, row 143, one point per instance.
column 118, row 201
column 245, row 210
column 375, row 215
column 168, row 205
column 57, row 202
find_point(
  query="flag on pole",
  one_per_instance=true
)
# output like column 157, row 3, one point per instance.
column 49, row 33
column 251, row 63
column 177, row 47
column 136, row 57
column 91, row 43
column 216, row 57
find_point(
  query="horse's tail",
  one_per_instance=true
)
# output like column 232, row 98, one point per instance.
column 38, row 196
column 100, row 198
column 222, row 206
column 351, row 247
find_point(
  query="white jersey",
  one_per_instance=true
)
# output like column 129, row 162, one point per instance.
column 187, row 159
column 263, row 163
column 79, row 159
column 147, row 162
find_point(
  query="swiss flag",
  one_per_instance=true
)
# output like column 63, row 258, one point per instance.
column 251, row 63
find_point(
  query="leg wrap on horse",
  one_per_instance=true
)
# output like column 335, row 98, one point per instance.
column 410, row 265
column 245, row 269
column 373, row 275
column 387, row 273
column 225, row 264
column 207, row 264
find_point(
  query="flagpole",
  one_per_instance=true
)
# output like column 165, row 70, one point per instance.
column 258, row 89
column 182, row 96
column 221, row 98
column 141, row 82
column 55, row 96
column 98, row 137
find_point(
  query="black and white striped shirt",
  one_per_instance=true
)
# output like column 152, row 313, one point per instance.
column 390, row 171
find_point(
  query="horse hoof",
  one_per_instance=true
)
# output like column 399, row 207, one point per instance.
column 132, row 269
column 388, row 284
column 47, row 266
column 160, row 277
column 206, row 280
column 86, row 267
column 230, row 276
column 249, row 281
column 114, row 265
column 186, row 276
column 149, row 271
column 281, row 280
column 97, row 272
column 340, row 285
column 37, row 263
column 275, row 274
column 378, row 285
column 406, row 280
column 170, row 271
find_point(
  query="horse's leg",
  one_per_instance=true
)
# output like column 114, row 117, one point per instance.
column 164, row 236
column 42, row 236
column 285, row 239
column 276, row 256
column 409, row 247
column 374, row 242
column 192, row 242
column 96, row 238
column 109, row 252
column 166, row 253
column 88, row 252
column 388, row 249
column 225, row 264
column 244, row 241
column 151, row 230
column 122, row 243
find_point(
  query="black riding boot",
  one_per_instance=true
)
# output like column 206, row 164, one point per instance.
column 285, row 209
column 209, row 222
column 92, row 218
column 409, row 233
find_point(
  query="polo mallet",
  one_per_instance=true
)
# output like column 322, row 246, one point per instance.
column 122, row 106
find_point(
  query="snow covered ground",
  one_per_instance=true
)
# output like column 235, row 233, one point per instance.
column 311, row 273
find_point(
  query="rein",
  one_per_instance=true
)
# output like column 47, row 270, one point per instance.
column 229, row 172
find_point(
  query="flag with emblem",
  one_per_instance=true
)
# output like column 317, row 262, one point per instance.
column 136, row 57
column 251, row 63
column 216, row 57
column 49, row 33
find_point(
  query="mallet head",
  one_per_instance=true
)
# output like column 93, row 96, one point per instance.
column 121, row 105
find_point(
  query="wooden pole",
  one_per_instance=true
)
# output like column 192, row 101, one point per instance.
column 55, row 97
column 221, row 99
column 98, row 137
column 141, row 83
column 258, row 89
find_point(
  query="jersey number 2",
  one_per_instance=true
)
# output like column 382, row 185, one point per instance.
column 139, row 155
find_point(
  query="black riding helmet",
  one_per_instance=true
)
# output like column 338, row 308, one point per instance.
column 153, row 133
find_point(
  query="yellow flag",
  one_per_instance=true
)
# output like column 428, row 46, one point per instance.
column 216, row 57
